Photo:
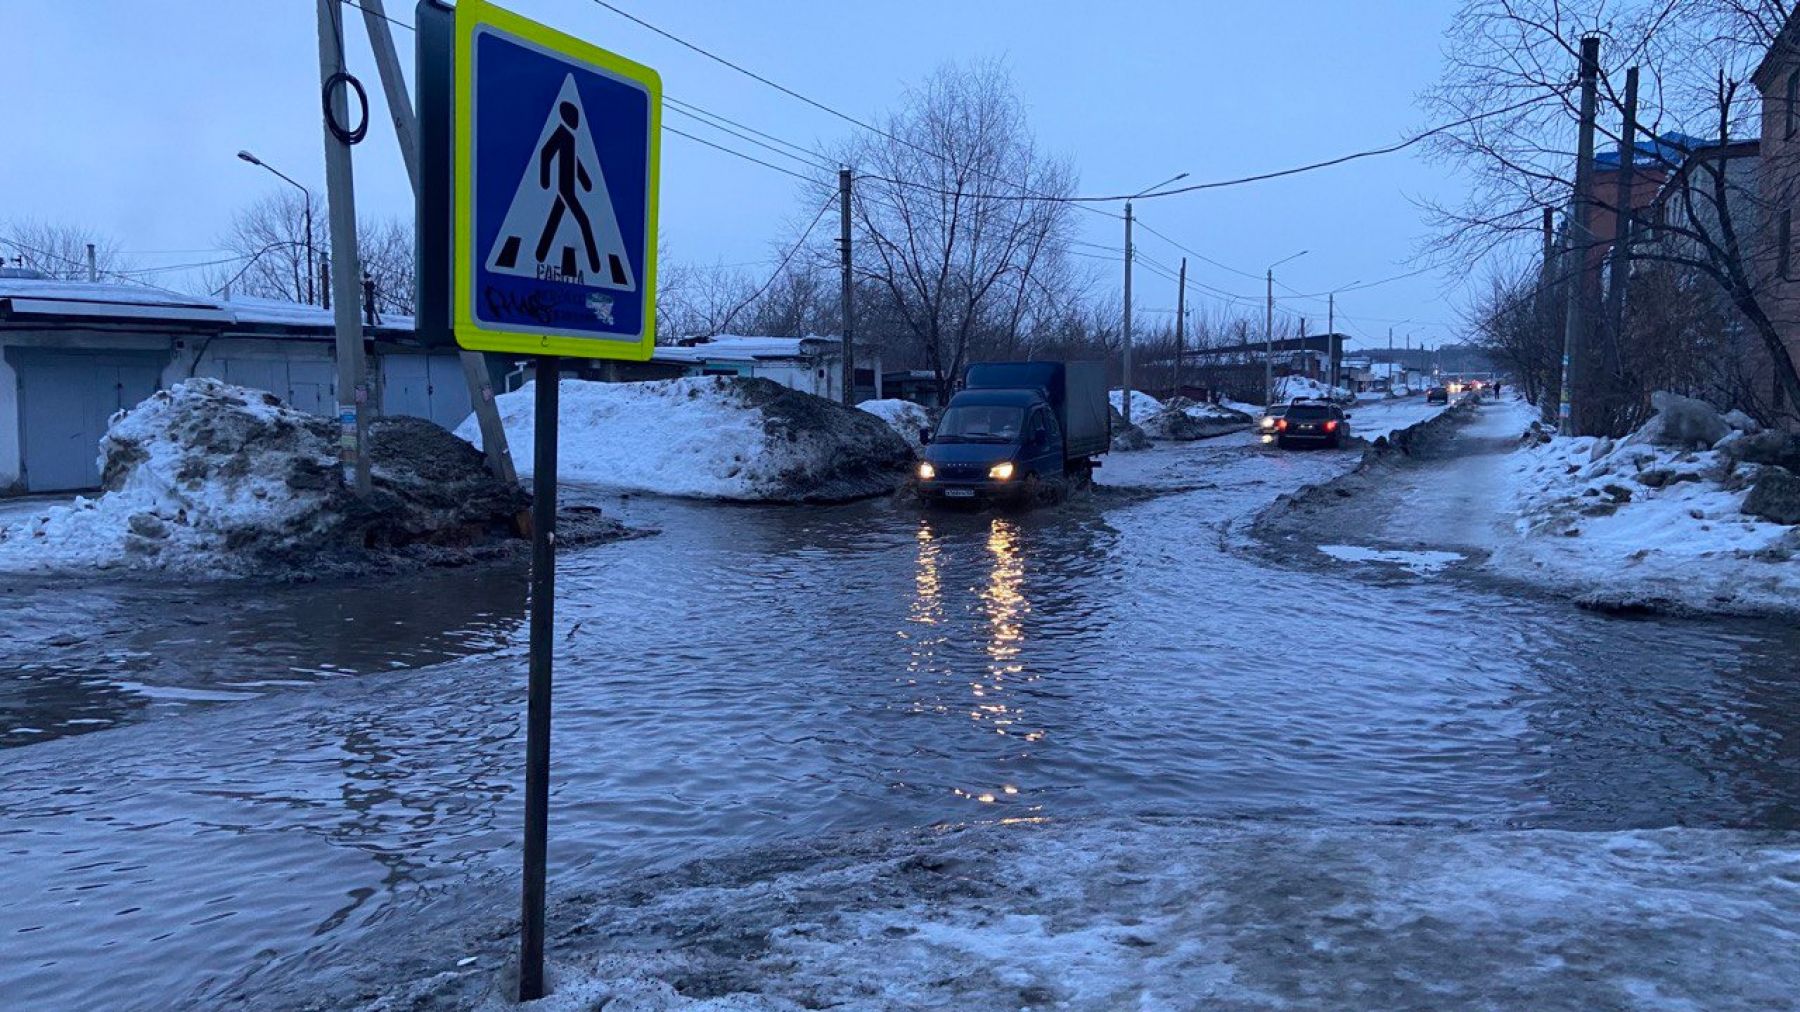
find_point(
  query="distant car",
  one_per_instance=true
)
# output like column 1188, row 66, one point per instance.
column 1312, row 423
column 1437, row 395
column 1271, row 417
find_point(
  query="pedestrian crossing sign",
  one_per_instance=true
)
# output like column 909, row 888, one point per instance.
column 556, row 177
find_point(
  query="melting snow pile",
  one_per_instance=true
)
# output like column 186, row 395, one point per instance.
column 1142, row 404
column 711, row 437
column 1182, row 419
column 1172, row 915
column 1127, row 436
column 1289, row 387
column 904, row 417
column 217, row 480
column 1689, row 513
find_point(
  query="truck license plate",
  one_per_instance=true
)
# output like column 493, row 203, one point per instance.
column 959, row 493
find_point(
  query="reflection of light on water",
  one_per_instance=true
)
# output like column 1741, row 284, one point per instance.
column 927, row 608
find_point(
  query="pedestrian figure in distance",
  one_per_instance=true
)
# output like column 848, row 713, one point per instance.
column 560, row 148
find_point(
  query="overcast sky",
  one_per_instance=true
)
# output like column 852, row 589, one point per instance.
column 125, row 116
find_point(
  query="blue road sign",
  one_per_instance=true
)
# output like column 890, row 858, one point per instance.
column 557, row 149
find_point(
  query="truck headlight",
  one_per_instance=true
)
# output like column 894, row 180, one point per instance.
column 927, row 472
column 1001, row 472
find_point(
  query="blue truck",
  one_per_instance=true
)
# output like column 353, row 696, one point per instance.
column 1018, row 432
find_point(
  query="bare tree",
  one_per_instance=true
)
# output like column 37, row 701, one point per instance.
column 269, row 238
column 1509, row 79
column 388, row 257
column 957, row 215
column 60, row 250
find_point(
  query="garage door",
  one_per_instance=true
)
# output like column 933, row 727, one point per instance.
column 65, row 400
column 425, row 386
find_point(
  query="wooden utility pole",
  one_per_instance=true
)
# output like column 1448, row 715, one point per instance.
column 1331, row 341
column 1180, row 322
column 346, row 268
column 1125, row 401
column 848, row 310
column 406, row 131
column 1581, row 240
column 1622, row 220
column 1269, row 343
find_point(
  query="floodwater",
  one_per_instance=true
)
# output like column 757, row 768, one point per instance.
column 283, row 778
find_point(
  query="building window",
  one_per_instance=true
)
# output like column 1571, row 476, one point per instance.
column 1784, row 241
column 1793, row 99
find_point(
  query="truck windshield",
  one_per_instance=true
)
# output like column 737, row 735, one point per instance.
column 981, row 423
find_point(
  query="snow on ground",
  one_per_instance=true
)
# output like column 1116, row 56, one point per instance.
column 1289, row 387
column 904, row 417
column 1420, row 561
column 210, row 479
column 1635, row 523
column 1164, row 914
column 1253, row 410
column 710, row 437
column 1181, row 419
column 1142, row 404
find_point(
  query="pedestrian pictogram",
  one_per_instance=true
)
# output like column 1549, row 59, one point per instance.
column 556, row 164
column 561, row 226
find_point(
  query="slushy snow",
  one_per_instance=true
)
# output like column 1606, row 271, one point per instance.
column 710, row 437
column 1163, row 914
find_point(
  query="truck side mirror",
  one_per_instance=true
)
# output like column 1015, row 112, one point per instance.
column 924, row 435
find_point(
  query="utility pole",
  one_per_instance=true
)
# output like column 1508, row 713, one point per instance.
column 1549, row 241
column 1180, row 321
column 1269, row 344
column 1621, row 251
column 1125, row 405
column 848, row 311
column 346, row 271
column 406, row 131
column 1581, row 240
column 1331, row 341
column 93, row 265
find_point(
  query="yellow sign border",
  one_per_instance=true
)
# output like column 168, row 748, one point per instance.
column 471, row 334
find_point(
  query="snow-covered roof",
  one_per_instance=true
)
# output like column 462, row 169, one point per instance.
column 36, row 297
column 744, row 348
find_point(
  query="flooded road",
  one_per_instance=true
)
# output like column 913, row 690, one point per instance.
column 758, row 675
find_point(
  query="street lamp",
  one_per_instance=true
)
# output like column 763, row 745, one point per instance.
column 307, row 194
column 1269, row 332
column 1125, row 332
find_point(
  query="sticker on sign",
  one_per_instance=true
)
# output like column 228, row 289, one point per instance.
column 556, row 153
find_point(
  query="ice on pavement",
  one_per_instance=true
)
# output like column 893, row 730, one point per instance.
column 1154, row 914
column 710, row 437
column 1421, row 561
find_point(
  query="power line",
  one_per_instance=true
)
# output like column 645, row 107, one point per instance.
column 740, row 154
column 779, row 268
column 1199, row 256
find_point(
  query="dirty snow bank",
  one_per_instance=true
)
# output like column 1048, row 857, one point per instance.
column 711, row 437
column 1182, row 419
column 209, row 479
column 1637, row 524
column 1152, row 914
column 904, row 417
column 1289, row 387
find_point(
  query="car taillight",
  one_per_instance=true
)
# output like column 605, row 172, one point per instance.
column 1331, row 426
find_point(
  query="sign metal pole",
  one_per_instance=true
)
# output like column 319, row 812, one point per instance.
column 537, row 707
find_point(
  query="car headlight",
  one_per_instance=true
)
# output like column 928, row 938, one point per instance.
column 1001, row 472
column 927, row 472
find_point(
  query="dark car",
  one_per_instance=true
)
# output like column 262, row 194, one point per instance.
column 1437, row 395
column 992, row 445
column 1312, row 423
